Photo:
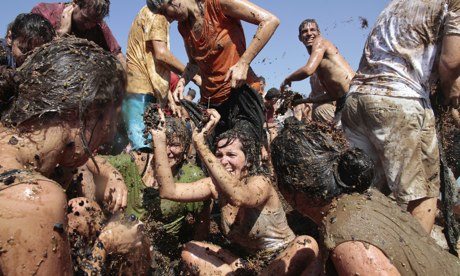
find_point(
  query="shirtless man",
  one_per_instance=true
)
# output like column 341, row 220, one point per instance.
column 332, row 69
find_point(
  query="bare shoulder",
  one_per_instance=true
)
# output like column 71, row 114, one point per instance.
column 355, row 257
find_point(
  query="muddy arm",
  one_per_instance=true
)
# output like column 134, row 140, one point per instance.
column 267, row 22
column 183, row 192
column 317, row 54
column 164, row 55
column 252, row 193
column 449, row 70
column 111, row 182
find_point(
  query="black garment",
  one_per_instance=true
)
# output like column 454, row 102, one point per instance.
column 244, row 106
column 340, row 103
column 6, row 56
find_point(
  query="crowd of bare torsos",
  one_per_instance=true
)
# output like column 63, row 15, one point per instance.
column 34, row 212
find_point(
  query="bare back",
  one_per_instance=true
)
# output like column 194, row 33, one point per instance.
column 334, row 71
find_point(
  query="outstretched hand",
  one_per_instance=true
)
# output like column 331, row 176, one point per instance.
column 285, row 86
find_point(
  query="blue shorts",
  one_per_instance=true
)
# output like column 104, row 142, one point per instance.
column 132, row 110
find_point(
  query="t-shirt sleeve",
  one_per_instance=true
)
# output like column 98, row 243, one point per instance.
column 452, row 25
column 112, row 43
column 158, row 29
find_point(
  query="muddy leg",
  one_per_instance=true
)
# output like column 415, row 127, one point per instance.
column 32, row 230
column 300, row 255
column 207, row 259
column 424, row 210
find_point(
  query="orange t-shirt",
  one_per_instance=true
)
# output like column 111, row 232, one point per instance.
column 219, row 47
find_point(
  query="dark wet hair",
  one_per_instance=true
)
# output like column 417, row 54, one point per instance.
column 64, row 78
column 272, row 93
column 33, row 29
column 251, row 147
column 99, row 8
column 306, row 21
column 307, row 159
column 175, row 127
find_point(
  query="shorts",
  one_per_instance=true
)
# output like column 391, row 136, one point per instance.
column 399, row 134
column 323, row 113
column 133, row 108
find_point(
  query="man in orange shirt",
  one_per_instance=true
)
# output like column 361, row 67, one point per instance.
column 216, row 45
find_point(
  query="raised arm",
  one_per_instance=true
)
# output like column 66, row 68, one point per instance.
column 267, row 22
column 449, row 70
column 182, row 192
column 316, row 56
column 251, row 192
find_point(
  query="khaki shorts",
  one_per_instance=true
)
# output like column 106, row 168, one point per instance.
column 323, row 113
column 399, row 135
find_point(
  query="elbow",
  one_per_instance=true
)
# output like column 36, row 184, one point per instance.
column 160, row 55
column 308, row 71
column 275, row 21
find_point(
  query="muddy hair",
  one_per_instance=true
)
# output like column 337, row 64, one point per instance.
column 175, row 127
column 306, row 21
column 308, row 159
column 33, row 29
column 99, row 8
column 251, row 147
column 64, row 77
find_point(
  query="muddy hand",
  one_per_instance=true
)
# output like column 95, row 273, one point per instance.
column 66, row 20
column 159, row 132
column 116, row 194
column 178, row 93
column 285, row 86
column 237, row 74
column 120, row 238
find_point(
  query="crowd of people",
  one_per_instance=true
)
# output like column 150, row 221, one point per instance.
column 108, row 166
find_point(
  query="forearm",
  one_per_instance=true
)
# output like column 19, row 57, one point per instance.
column 298, row 75
column 163, row 173
column 263, row 34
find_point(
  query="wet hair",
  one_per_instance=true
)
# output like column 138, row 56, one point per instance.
column 64, row 78
column 99, row 8
column 272, row 93
column 262, row 79
column 155, row 5
column 176, row 128
column 251, row 147
column 33, row 29
column 305, row 22
column 307, row 159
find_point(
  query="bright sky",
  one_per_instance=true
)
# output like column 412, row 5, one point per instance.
column 339, row 21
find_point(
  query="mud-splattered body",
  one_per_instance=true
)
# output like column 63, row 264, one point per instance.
column 373, row 219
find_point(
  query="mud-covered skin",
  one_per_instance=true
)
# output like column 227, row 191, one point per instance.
column 56, row 96
column 305, row 155
column 384, row 225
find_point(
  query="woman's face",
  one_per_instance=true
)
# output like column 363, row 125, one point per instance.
column 232, row 157
column 99, row 129
column 174, row 10
column 175, row 150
